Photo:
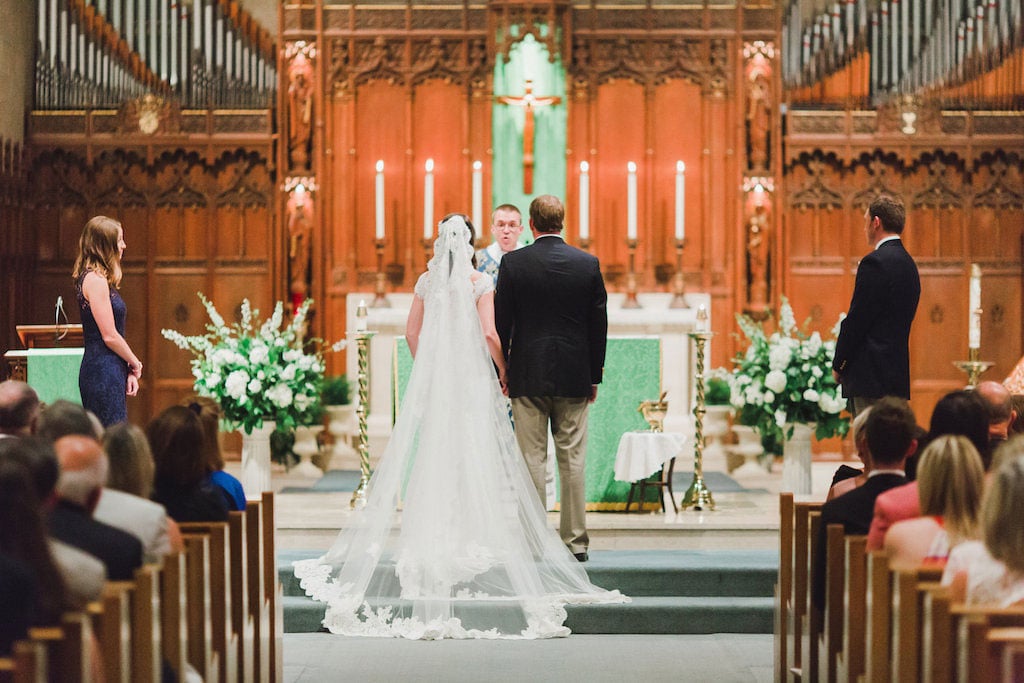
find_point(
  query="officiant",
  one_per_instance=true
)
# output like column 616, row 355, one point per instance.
column 506, row 226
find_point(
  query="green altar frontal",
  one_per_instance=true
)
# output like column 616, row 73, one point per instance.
column 632, row 373
column 53, row 373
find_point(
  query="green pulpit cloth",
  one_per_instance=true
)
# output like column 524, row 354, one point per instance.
column 632, row 374
column 53, row 373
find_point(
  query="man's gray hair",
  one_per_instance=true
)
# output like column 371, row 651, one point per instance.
column 77, row 486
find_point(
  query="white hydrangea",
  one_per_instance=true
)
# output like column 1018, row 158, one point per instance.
column 779, row 357
column 289, row 373
column 811, row 395
column 291, row 355
column 255, row 386
column 236, row 383
column 280, row 395
column 259, row 354
column 831, row 404
column 817, row 371
column 775, row 380
column 769, row 396
column 780, row 417
column 813, row 345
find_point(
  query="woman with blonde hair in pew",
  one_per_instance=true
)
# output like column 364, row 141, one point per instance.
column 848, row 478
column 991, row 571
column 950, row 481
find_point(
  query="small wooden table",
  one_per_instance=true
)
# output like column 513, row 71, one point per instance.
column 642, row 454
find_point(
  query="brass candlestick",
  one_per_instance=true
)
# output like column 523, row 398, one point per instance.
column 678, row 283
column 363, row 353
column 380, row 299
column 973, row 367
column 631, row 300
column 698, row 494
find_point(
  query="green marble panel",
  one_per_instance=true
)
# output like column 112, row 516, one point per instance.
column 53, row 373
column 632, row 374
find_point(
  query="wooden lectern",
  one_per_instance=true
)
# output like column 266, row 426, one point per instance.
column 50, row 336
column 49, row 361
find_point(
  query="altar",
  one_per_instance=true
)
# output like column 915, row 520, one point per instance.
column 648, row 352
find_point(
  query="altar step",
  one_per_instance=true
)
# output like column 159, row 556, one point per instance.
column 673, row 592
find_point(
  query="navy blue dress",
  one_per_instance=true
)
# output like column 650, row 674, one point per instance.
column 103, row 378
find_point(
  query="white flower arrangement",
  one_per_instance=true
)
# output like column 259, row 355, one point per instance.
column 258, row 371
column 785, row 378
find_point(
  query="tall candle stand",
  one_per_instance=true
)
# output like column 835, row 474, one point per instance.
column 363, row 338
column 678, row 284
column 631, row 300
column 380, row 299
column 698, row 495
column 973, row 367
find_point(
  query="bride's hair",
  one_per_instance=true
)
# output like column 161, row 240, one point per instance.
column 472, row 231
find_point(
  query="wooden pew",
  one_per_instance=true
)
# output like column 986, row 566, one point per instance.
column 784, row 587
column 27, row 663
column 877, row 663
column 937, row 637
column 831, row 634
column 813, row 618
column 147, row 640
column 201, row 654
column 974, row 660
column 241, row 617
column 907, row 619
column 259, row 607
column 112, row 624
column 173, row 612
column 273, row 591
column 850, row 664
column 799, row 596
column 69, row 649
column 1006, row 647
column 225, row 633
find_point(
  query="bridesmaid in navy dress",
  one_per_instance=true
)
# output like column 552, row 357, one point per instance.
column 110, row 370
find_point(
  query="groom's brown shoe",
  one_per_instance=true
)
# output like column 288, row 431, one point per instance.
column 582, row 557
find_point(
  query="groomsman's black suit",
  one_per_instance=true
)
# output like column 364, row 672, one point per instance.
column 550, row 311
column 854, row 510
column 873, row 352
column 551, row 314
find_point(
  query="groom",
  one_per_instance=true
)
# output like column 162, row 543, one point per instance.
column 550, row 312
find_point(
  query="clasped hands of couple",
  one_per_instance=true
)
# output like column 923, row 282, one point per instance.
column 503, row 381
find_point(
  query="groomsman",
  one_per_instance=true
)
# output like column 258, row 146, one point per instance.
column 551, row 314
column 872, row 357
column 506, row 226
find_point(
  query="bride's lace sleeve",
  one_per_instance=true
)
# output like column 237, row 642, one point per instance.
column 420, row 289
column 484, row 284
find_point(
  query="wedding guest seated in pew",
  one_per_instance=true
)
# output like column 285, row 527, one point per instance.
column 848, row 478
column 83, row 472
column 999, row 407
column 182, row 485
column 83, row 574
column 19, row 409
column 991, row 571
column 957, row 413
column 949, row 484
column 126, row 503
column 1017, row 426
column 64, row 418
column 228, row 485
column 890, row 433
column 31, row 586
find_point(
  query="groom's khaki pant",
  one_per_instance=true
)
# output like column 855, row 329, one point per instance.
column 568, row 417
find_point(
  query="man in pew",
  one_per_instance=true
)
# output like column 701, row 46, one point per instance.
column 83, row 574
column 1001, row 414
column 19, row 409
column 83, row 471
column 890, row 434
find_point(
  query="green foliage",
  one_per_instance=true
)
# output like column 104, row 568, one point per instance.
column 336, row 391
column 717, row 391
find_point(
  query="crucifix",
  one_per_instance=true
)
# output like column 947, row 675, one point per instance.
column 529, row 102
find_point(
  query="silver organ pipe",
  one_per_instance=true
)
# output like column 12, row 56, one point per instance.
column 203, row 53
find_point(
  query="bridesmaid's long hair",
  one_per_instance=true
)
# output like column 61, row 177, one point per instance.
column 97, row 249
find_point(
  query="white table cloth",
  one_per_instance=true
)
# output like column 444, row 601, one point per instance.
column 641, row 454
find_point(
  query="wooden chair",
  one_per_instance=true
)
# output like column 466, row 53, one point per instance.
column 173, row 612
column 799, row 596
column 112, row 625
column 224, row 632
column 850, row 664
column 147, row 640
column 784, row 587
column 241, row 617
column 877, row 663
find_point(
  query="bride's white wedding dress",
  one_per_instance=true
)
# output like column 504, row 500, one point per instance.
column 471, row 554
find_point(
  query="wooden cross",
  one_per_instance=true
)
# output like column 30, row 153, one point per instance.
column 528, row 102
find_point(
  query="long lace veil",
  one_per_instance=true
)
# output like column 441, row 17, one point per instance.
column 470, row 554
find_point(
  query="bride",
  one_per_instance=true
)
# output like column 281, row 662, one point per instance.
column 470, row 555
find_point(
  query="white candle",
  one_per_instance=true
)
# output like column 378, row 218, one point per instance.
column 379, row 197
column 584, row 200
column 631, row 200
column 478, row 195
column 361, row 316
column 428, row 200
column 680, row 200
column 702, row 319
column 974, row 309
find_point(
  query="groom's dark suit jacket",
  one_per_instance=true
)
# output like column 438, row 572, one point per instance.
column 873, row 349
column 551, row 314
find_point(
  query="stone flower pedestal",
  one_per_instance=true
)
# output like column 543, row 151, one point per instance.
column 306, row 446
column 796, row 459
